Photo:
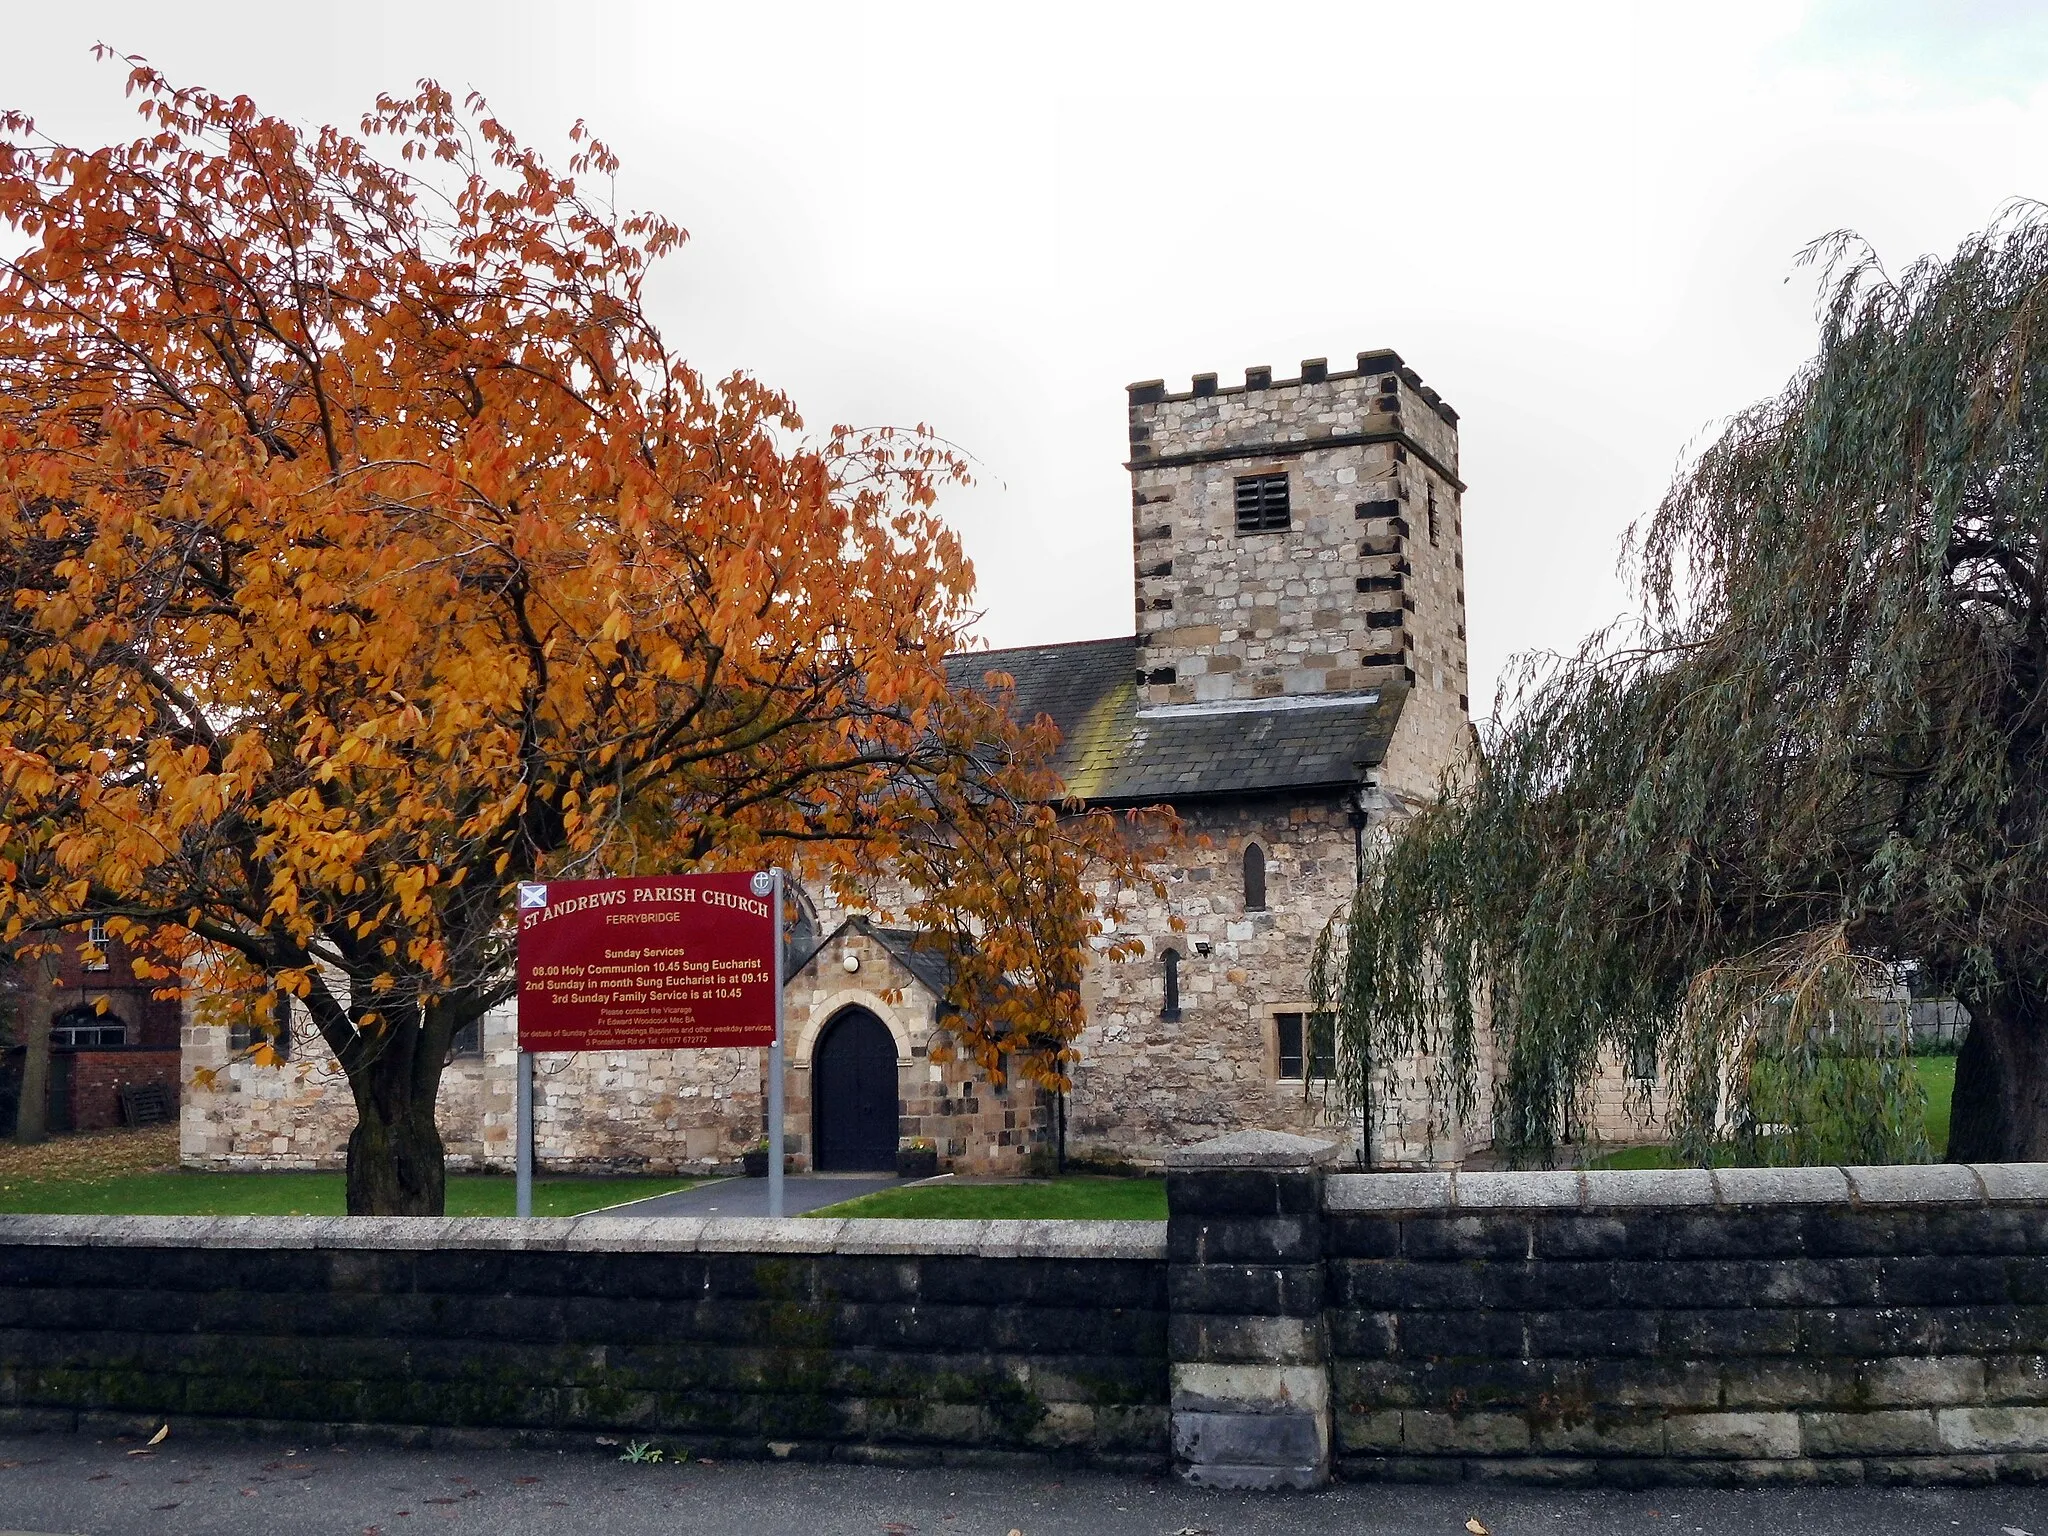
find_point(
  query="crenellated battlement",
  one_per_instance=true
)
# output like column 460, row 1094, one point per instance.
column 1373, row 366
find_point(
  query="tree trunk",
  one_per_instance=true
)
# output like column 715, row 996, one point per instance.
column 32, row 1115
column 2000, row 1113
column 396, row 1165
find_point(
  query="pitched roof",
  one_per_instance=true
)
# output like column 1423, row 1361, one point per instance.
column 927, row 964
column 1117, row 750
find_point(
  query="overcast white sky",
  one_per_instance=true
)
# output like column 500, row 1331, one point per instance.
column 1578, row 221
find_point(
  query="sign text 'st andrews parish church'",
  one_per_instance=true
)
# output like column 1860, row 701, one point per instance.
column 657, row 963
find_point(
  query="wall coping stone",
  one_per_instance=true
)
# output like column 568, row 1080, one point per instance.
column 1606, row 1189
column 2012, row 1181
column 1143, row 1240
column 1254, row 1149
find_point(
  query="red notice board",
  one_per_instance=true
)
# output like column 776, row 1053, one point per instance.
column 646, row 964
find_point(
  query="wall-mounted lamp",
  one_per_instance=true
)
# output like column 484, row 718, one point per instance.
column 1202, row 946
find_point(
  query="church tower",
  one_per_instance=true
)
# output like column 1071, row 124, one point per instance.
column 1297, row 538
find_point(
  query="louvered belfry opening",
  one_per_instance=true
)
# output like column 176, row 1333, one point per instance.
column 1262, row 503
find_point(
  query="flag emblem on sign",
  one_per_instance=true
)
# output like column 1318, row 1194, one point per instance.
column 531, row 896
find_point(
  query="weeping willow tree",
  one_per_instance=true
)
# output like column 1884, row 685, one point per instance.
column 1811, row 764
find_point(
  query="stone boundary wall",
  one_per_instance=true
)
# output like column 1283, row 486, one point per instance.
column 915, row 1342
column 1743, row 1325
column 1285, row 1324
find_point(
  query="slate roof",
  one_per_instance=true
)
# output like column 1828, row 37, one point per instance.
column 928, row 965
column 1117, row 751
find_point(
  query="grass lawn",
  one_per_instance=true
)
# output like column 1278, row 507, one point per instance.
column 1937, row 1078
column 1079, row 1197
column 175, row 1193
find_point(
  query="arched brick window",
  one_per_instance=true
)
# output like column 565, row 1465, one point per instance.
column 1254, row 878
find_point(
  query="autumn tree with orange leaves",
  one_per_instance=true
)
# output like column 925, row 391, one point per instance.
column 370, row 552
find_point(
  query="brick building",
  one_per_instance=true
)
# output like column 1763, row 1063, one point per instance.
column 1296, row 676
column 108, row 1031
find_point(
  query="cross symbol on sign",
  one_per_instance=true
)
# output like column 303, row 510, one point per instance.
column 531, row 896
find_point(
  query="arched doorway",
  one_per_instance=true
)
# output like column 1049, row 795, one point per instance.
column 853, row 1094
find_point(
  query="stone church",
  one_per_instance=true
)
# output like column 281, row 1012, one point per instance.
column 1296, row 676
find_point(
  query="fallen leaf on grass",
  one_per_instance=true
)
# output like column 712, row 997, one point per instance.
column 2013, row 1530
column 525, row 1479
column 1473, row 1525
column 161, row 1435
column 163, row 1506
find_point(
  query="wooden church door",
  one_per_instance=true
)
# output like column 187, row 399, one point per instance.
column 853, row 1094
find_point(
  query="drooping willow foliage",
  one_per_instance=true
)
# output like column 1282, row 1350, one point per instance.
column 1811, row 765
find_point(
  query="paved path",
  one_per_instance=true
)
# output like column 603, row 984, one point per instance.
column 72, row 1484
column 749, row 1197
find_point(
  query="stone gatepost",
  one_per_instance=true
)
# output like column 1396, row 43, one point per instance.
column 1246, row 1336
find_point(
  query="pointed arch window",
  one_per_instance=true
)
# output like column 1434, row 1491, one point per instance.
column 1254, row 878
column 1169, row 964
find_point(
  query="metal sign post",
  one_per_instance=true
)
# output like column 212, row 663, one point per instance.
column 523, row 1116
column 775, row 1066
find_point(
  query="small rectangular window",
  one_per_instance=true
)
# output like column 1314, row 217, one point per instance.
column 276, row 1032
column 96, row 940
column 1262, row 504
column 1318, row 1049
column 1642, row 1062
column 88, row 1035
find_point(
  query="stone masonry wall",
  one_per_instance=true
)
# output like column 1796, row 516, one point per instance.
column 1146, row 1083
column 1818, row 1325
column 1366, row 585
column 978, row 1129
column 598, row 1112
column 911, row 1342
column 1745, row 1325
column 622, row 1111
